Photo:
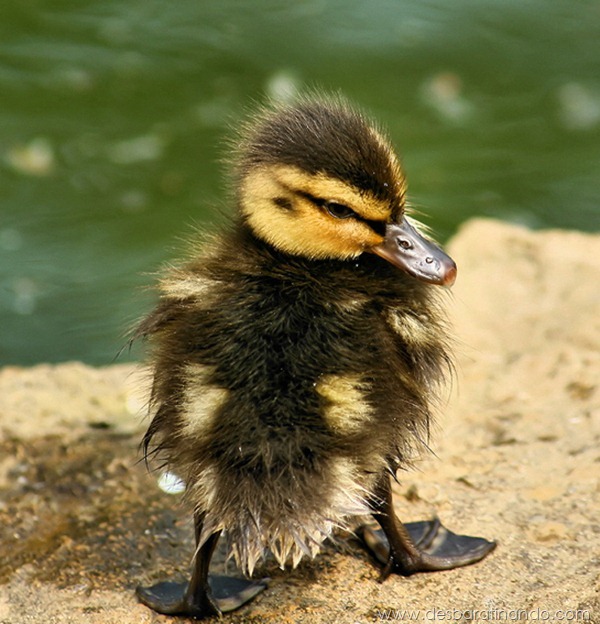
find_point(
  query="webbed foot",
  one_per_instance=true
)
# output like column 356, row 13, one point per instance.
column 223, row 594
column 206, row 595
column 417, row 546
column 430, row 547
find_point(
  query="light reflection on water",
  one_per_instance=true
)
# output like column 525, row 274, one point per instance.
column 113, row 118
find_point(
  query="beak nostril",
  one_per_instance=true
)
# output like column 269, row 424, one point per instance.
column 418, row 256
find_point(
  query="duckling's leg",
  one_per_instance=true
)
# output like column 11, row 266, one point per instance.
column 417, row 546
column 204, row 595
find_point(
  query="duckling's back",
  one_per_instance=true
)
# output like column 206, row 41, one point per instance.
column 283, row 387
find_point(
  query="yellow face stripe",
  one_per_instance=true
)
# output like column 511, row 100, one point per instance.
column 305, row 229
column 330, row 189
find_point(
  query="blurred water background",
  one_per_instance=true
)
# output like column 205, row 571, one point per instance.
column 113, row 115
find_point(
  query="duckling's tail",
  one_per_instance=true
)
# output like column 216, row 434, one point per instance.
column 289, row 513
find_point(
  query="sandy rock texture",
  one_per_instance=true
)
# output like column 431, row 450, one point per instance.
column 517, row 459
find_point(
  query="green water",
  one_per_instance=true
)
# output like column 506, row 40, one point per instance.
column 113, row 115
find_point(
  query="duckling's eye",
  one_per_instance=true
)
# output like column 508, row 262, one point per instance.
column 339, row 211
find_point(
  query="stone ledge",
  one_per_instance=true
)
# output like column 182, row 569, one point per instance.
column 518, row 460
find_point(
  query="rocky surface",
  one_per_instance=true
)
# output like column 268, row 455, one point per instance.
column 517, row 459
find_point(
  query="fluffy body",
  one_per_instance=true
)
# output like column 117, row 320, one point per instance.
column 293, row 368
column 284, row 387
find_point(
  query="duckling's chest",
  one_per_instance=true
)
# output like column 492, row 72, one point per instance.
column 283, row 353
column 277, row 338
column 277, row 372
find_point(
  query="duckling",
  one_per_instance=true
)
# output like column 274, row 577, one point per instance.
column 296, row 358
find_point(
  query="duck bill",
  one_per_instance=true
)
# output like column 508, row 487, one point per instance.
column 407, row 249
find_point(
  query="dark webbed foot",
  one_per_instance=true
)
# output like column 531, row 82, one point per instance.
column 223, row 594
column 435, row 548
column 417, row 546
column 205, row 595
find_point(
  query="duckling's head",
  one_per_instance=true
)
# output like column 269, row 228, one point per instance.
column 316, row 179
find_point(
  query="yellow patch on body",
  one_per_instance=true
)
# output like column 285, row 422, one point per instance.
column 347, row 410
column 201, row 401
column 413, row 329
column 184, row 285
column 352, row 489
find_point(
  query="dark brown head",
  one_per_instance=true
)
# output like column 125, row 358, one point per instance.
column 317, row 179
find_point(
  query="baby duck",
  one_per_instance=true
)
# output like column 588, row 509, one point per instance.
column 297, row 356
